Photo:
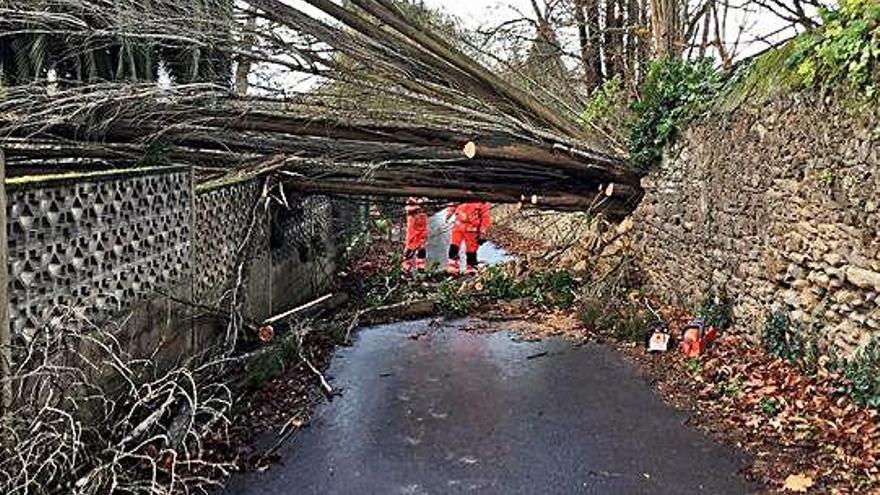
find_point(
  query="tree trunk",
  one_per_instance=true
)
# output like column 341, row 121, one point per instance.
column 611, row 68
column 644, row 47
column 632, row 43
column 586, row 13
column 665, row 16
column 244, row 63
column 5, row 330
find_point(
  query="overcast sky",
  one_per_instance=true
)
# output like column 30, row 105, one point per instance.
column 481, row 13
column 475, row 13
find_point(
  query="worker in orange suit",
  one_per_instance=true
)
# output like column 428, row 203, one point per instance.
column 415, row 250
column 472, row 221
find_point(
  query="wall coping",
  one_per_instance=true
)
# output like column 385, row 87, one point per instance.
column 42, row 180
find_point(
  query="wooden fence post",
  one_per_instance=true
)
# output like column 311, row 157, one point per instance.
column 5, row 330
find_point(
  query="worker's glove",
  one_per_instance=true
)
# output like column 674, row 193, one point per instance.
column 481, row 241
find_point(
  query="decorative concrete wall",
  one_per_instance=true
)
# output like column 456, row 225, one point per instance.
column 136, row 245
column 95, row 243
column 778, row 204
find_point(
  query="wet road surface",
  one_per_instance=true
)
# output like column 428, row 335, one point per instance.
column 429, row 409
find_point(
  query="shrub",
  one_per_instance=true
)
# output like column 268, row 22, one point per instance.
column 451, row 302
column 781, row 337
column 862, row 374
column 717, row 310
column 669, row 96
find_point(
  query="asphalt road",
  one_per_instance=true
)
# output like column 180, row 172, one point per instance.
column 429, row 409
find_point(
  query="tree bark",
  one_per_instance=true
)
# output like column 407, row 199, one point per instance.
column 5, row 329
column 632, row 42
column 665, row 16
column 244, row 63
column 586, row 14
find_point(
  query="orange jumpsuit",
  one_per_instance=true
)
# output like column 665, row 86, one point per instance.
column 472, row 221
column 416, row 234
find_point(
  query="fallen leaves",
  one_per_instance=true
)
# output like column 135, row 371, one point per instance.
column 800, row 483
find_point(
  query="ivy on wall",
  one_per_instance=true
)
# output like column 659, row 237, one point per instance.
column 846, row 49
column 670, row 96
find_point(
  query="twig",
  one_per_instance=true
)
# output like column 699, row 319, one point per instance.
column 328, row 390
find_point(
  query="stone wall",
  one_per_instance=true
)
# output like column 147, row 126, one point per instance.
column 778, row 204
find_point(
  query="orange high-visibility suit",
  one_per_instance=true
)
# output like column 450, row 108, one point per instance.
column 416, row 234
column 472, row 221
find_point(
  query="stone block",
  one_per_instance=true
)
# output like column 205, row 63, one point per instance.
column 860, row 277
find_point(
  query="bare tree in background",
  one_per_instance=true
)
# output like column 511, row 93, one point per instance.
column 600, row 40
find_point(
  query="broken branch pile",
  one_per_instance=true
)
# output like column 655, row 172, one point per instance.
column 90, row 418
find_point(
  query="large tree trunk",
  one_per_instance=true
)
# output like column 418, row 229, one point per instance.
column 665, row 18
column 614, row 49
column 632, row 42
column 586, row 13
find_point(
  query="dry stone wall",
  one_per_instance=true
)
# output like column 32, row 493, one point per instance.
column 778, row 204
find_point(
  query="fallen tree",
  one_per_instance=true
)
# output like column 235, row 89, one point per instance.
column 390, row 106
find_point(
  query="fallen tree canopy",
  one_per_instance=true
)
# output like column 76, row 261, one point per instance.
column 389, row 106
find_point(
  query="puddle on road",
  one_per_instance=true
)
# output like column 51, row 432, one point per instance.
column 427, row 405
column 438, row 244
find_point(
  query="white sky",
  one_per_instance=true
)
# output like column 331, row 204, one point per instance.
column 475, row 13
column 482, row 13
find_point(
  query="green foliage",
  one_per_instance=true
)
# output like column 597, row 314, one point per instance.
column 786, row 339
column 554, row 287
column 270, row 365
column 782, row 338
column 670, row 94
column 608, row 110
column 607, row 97
column 693, row 366
column 498, row 284
column 862, row 374
column 770, row 406
column 845, row 49
column 717, row 310
column 452, row 302
column 732, row 388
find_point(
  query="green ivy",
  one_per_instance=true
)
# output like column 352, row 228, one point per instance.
column 782, row 337
column 862, row 374
column 669, row 98
column 451, row 302
column 846, row 48
column 717, row 310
